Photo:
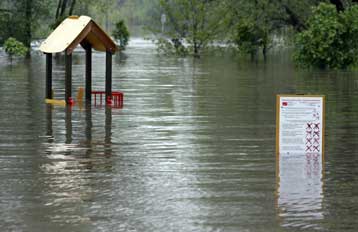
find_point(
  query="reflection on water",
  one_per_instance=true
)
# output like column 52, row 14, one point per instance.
column 67, row 169
column 192, row 149
column 300, row 191
column 68, row 145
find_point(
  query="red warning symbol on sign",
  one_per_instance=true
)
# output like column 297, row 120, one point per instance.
column 284, row 103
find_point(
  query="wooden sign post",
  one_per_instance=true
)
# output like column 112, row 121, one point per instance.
column 300, row 125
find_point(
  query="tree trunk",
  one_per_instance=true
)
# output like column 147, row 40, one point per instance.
column 264, row 52
column 196, row 50
column 73, row 3
column 195, row 38
column 28, row 34
column 265, row 45
column 254, row 56
column 63, row 8
column 339, row 5
column 58, row 9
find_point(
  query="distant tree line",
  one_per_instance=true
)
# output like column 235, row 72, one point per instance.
column 185, row 27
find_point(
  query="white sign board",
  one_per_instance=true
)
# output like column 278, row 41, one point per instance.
column 300, row 125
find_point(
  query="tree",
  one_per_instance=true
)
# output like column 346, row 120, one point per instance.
column 296, row 13
column 4, row 25
column 341, row 5
column 139, row 12
column 28, row 29
column 64, row 8
column 196, row 22
column 250, row 37
column 330, row 40
column 21, row 17
column 121, row 33
column 253, row 25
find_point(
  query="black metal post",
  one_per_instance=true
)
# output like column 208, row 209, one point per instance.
column 68, row 78
column 108, row 75
column 88, row 73
column 49, row 76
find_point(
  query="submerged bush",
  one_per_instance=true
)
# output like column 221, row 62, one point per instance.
column 330, row 41
column 121, row 33
column 14, row 48
column 171, row 47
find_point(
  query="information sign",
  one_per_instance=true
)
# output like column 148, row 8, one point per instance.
column 300, row 125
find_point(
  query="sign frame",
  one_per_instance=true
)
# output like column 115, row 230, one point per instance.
column 278, row 117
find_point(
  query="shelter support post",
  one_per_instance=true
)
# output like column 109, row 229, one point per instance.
column 88, row 73
column 68, row 78
column 68, row 125
column 49, row 76
column 108, row 77
column 108, row 128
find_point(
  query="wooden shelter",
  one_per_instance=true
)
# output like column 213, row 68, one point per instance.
column 73, row 31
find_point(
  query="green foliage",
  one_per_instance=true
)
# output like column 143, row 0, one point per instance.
column 20, row 18
column 121, row 33
column 249, row 37
column 171, row 47
column 254, row 23
column 330, row 40
column 196, row 22
column 14, row 48
column 4, row 32
column 139, row 12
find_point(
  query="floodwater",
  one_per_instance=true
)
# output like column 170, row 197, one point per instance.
column 193, row 148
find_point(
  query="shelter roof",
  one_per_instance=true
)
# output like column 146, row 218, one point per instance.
column 76, row 30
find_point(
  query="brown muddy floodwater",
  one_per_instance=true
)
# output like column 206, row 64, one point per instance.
column 193, row 149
